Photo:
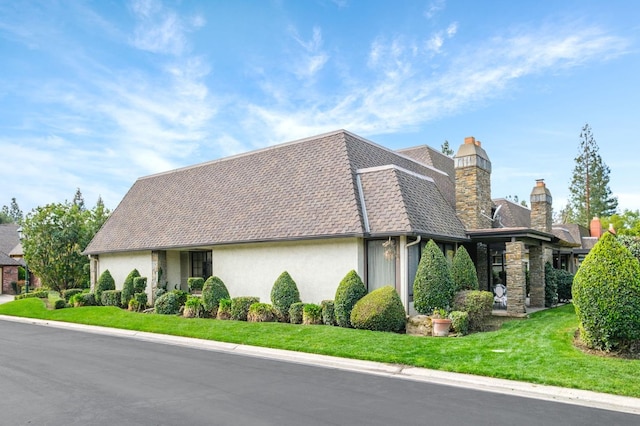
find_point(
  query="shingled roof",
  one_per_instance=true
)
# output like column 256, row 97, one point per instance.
column 513, row 215
column 298, row 190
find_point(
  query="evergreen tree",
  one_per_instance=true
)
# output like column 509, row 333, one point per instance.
column 590, row 194
column 78, row 200
column 12, row 213
column 446, row 149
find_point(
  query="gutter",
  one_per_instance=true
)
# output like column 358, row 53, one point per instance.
column 365, row 218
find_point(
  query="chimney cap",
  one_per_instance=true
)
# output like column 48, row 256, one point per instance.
column 540, row 182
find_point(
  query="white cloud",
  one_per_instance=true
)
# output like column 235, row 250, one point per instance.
column 313, row 58
column 434, row 7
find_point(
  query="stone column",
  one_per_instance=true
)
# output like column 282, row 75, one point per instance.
column 515, row 278
column 93, row 272
column 536, row 276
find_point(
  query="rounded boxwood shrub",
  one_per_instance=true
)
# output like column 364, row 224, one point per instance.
column 380, row 310
column 195, row 283
column 311, row 314
column 128, row 289
column 240, row 307
column 105, row 282
column 181, row 295
column 606, row 295
column 433, row 285
column 328, row 312
column 284, row 293
column 296, row 312
column 261, row 312
column 463, row 271
column 83, row 299
column 193, row 307
column 477, row 304
column 139, row 285
column 213, row 291
column 70, row 292
column 224, row 309
column 60, row 304
column 111, row 298
column 459, row 322
column 350, row 290
column 167, row 304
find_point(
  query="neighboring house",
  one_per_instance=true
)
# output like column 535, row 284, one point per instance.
column 8, row 265
column 582, row 240
column 318, row 208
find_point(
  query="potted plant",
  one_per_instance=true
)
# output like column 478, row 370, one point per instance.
column 440, row 322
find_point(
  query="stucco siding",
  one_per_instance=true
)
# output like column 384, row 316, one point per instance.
column 316, row 266
column 120, row 264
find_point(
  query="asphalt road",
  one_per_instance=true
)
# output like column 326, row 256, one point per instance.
column 52, row 376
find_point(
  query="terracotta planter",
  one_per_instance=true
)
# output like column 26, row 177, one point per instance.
column 441, row 326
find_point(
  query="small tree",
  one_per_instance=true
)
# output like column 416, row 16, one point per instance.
column 284, row 293
column 350, row 290
column 606, row 295
column 128, row 289
column 213, row 291
column 463, row 271
column 105, row 282
column 433, row 286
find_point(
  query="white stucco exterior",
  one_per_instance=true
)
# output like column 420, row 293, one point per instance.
column 121, row 264
column 317, row 266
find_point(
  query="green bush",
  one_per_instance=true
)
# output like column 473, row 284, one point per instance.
column 213, row 291
column 284, row 293
column 224, row 309
column 261, row 312
column 141, row 300
column 105, row 282
column 139, row 285
column 606, row 295
column 296, row 312
column 240, row 307
column 565, row 281
column 328, row 312
column 70, row 292
column 111, row 298
column 159, row 291
column 181, row 296
column 134, row 306
column 193, row 307
column 195, row 283
column 127, row 288
column 311, row 314
column 38, row 294
column 83, row 299
column 460, row 322
column 350, row 290
column 463, row 271
column 433, row 285
column 60, row 304
column 380, row 310
column 167, row 304
column 550, row 286
column 478, row 304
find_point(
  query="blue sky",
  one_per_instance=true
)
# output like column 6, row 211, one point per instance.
column 94, row 94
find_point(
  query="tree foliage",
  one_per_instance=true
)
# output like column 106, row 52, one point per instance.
column 54, row 237
column 463, row 271
column 446, row 149
column 350, row 290
column 11, row 213
column 433, row 286
column 589, row 191
column 626, row 223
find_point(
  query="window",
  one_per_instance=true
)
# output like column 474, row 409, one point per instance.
column 381, row 263
column 201, row 264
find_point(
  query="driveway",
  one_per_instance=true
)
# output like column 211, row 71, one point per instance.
column 4, row 298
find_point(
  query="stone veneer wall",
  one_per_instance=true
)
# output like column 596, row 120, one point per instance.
column 515, row 278
column 9, row 274
column 536, row 277
column 541, row 207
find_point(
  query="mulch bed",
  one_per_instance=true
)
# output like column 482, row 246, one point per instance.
column 629, row 350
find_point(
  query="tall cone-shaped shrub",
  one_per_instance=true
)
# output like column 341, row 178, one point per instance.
column 433, row 286
column 105, row 282
column 463, row 271
column 284, row 293
column 350, row 290
column 606, row 295
column 128, row 288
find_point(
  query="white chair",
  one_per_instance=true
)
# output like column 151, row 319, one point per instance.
column 500, row 295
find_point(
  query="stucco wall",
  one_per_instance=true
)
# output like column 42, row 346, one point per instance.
column 120, row 264
column 316, row 266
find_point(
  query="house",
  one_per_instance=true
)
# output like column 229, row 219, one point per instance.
column 9, row 265
column 318, row 208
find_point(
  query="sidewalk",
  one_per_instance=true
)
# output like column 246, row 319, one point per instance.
column 4, row 298
column 501, row 386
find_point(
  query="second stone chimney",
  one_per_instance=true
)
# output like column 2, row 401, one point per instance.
column 473, row 185
column 541, row 207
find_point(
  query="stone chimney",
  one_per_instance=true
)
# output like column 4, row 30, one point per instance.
column 541, row 207
column 473, row 185
column 595, row 227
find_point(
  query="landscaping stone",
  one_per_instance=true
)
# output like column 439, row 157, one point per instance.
column 419, row 325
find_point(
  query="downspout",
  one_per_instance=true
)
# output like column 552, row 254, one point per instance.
column 365, row 218
column 415, row 242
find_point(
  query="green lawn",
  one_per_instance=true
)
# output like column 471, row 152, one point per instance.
column 537, row 350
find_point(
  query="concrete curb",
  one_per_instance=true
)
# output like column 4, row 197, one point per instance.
column 501, row 386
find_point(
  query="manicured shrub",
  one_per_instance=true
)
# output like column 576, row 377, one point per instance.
column 328, row 312
column 213, row 291
column 70, row 292
column 261, row 312
column 478, row 304
column 181, row 296
column 284, row 293
column 83, row 299
column 606, row 295
column 240, row 307
column 111, row 298
column 565, row 281
column 141, row 300
column 139, row 285
column 380, row 310
column 550, row 286
column 460, row 322
column 224, row 309
column 193, row 307
column 433, row 285
column 60, row 304
column 159, row 291
column 311, row 314
column 195, row 283
column 350, row 290
column 167, row 304
column 296, row 312
column 463, row 271
column 38, row 294
column 105, row 282
column 127, row 288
